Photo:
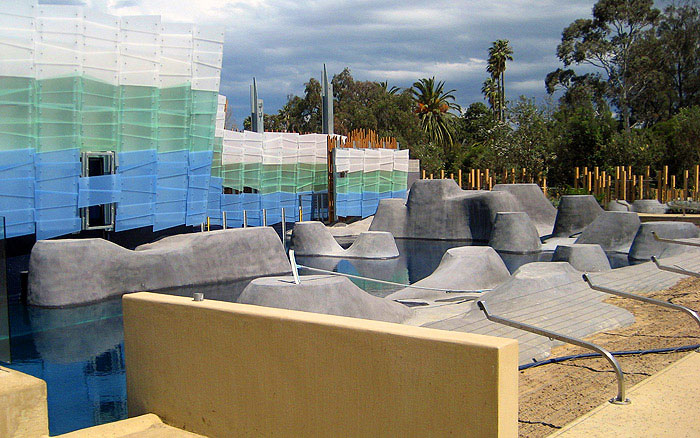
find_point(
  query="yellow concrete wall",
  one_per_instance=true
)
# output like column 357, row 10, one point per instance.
column 229, row 370
column 23, row 409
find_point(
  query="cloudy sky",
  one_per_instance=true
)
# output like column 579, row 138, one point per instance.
column 283, row 42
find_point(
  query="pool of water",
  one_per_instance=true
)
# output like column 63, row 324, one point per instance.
column 79, row 351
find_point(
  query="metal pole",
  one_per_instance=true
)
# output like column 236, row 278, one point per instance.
column 284, row 227
column 264, row 213
column 674, row 269
column 301, row 211
column 223, row 220
column 245, row 218
column 672, row 241
column 295, row 270
column 620, row 399
column 201, row 227
column 644, row 299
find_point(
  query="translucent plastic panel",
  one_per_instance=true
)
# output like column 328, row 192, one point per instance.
column 58, row 113
column 99, row 116
column 138, row 118
column 17, row 122
column 174, row 119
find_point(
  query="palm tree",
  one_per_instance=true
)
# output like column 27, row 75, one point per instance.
column 499, row 53
column 491, row 93
column 385, row 86
column 432, row 106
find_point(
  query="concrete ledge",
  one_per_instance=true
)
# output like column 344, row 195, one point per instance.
column 228, row 370
column 313, row 239
column 23, row 409
column 144, row 426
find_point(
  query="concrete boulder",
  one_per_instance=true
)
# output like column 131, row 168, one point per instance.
column 329, row 294
column 651, row 206
column 618, row 205
column 575, row 213
column 514, row 232
column 534, row 203
column 439, row 209
column 466, row 268
column 584, row 257
column 314, row 239
column 644, row 245
column 78, row 271
column 612, row 230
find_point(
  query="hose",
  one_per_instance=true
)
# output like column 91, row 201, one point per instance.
column 614, row 353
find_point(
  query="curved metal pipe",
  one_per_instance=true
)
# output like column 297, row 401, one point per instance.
column 620, row 399
column 674, row 269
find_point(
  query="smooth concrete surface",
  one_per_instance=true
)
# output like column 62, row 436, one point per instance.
column 644, row 245
column 464, row 268
column 534, row 203
column 312, row 238
column 666, row 404
column 618, row 205
column 23, row 408
column 78, row 271
column 143, row 426
column 514, row 232
column 259, row 371
column 551, row 295
column 329, row 294
column 652, row 206
column 440, row 210
column 575, row 213
column 613, row 230
column 585, row 257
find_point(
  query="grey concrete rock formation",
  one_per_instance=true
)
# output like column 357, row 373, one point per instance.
column 574, row 214
column 546, row 294
column 612, row 230
column 652, row 206
column 514, row 232
column 645, row 246
column 79, row 271
column 586, row 257
column 618, row 205
column 439, row 209
column 312, row 238
column 329, row 294
column 462, row 268
column 534, row 203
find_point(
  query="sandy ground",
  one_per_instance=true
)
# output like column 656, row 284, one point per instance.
column 555, row 394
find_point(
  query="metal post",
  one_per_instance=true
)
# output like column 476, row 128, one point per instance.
column 295, row 270
column 201, row 227
column 284, row 227
column 674, row 269
column 620, row 399
column 264, row 213
column 245, row 218
column 301, row 214
column 223, row 220
column 644, row 299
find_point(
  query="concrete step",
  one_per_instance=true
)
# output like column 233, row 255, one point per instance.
column 144, row 426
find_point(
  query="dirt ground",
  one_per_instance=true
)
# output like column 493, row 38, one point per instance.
column 555, row 394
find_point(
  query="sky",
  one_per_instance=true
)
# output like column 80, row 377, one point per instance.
column 282, row 43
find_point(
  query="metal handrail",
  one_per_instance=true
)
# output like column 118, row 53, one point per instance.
column 644, row 299
column 295, row 267
column 620, row 399
column 672, row 241
column 674, row 269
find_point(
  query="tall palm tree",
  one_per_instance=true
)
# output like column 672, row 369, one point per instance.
column 499, row 53
column 491, row 93
column 393, row 90
column 433, row 104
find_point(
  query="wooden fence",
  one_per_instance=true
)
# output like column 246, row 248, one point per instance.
column 485, row 179
column 625, row 184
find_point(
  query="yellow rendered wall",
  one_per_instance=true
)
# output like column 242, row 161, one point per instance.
column 228, row 370
column 23, row 409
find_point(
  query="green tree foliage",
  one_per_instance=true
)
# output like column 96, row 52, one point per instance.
column 433, row 105
column 607, row 42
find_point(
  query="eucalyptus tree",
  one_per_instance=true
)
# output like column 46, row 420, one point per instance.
column 608, row 42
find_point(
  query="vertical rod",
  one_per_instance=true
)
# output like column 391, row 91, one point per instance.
column 224, row 222
column 459, row 176
column 284, row 227
column 264, row 218
column 245, row 218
